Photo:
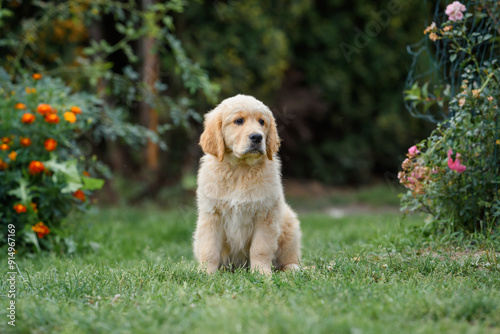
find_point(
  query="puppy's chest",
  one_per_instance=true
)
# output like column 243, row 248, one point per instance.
column 239, row 221
column 244, row 194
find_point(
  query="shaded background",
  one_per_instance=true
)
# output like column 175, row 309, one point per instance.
column 332, row 71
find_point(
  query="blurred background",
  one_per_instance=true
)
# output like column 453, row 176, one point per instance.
column 332, row 71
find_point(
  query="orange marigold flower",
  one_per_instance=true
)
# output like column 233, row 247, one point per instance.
column 34, row 206
column 36, row 167
column 79, row 195
column 50, row 144
column 40, row 229
column 25, row 141
column 70, row 117
column 43, row 109
column 5, row 140
column 3, row 165
column 20, row 208
column 52, row 119
column 13, row 155
column 4, row 147
column 85, row 173
column 20, row 106
column 28, row 118
column 30, row 90
column 76, row 110
column 37, row 76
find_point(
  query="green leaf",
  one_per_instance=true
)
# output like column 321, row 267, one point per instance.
column 22, row 192
column 70, row 244
column 31, row 238
column 90, row 183
column 425, row 88
column 71, row 187
column 69, row 171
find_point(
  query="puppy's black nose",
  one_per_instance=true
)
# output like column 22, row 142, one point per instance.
column 256, row 138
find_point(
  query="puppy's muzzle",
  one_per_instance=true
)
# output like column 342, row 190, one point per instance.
column 255, row 144
column 255, row 138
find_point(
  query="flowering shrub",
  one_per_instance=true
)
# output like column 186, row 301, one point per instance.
column 44, row 174
column 453, row 174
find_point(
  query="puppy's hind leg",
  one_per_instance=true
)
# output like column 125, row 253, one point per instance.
column 288, row 254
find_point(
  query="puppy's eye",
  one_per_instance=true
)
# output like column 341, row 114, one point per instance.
column 261, row 121
column 239, row 121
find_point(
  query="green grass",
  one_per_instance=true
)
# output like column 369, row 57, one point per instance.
column 363, row 274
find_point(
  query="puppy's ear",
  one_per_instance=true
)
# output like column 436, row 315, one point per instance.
column 272, row 141
column 211, row 140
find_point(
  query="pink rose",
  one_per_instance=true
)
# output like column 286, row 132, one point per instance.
column 412, row 151
column 457, row 164
column 454, row 11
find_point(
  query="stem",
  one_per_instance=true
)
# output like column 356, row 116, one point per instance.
column 491, row 75
column 490, row 14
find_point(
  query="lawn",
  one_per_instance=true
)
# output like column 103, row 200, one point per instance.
column 362, row 274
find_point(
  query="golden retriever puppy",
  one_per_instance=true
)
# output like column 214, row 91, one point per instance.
column 243, row 219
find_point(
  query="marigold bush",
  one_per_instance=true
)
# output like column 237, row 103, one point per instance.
column 453, row 174
column 44, row 174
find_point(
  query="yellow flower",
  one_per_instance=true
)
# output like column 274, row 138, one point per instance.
column 498, row 141
column 70, row 117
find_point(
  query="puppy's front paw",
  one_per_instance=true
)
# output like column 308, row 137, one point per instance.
column 262, row 269
column 210, row 268
column 291, row 267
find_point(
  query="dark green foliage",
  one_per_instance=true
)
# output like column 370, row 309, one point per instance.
column 340, row 113
column 335, row 92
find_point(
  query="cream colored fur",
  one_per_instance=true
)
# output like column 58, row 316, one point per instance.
column 243, row 219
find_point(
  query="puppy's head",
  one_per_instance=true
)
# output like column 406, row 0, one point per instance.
column 240, row 126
